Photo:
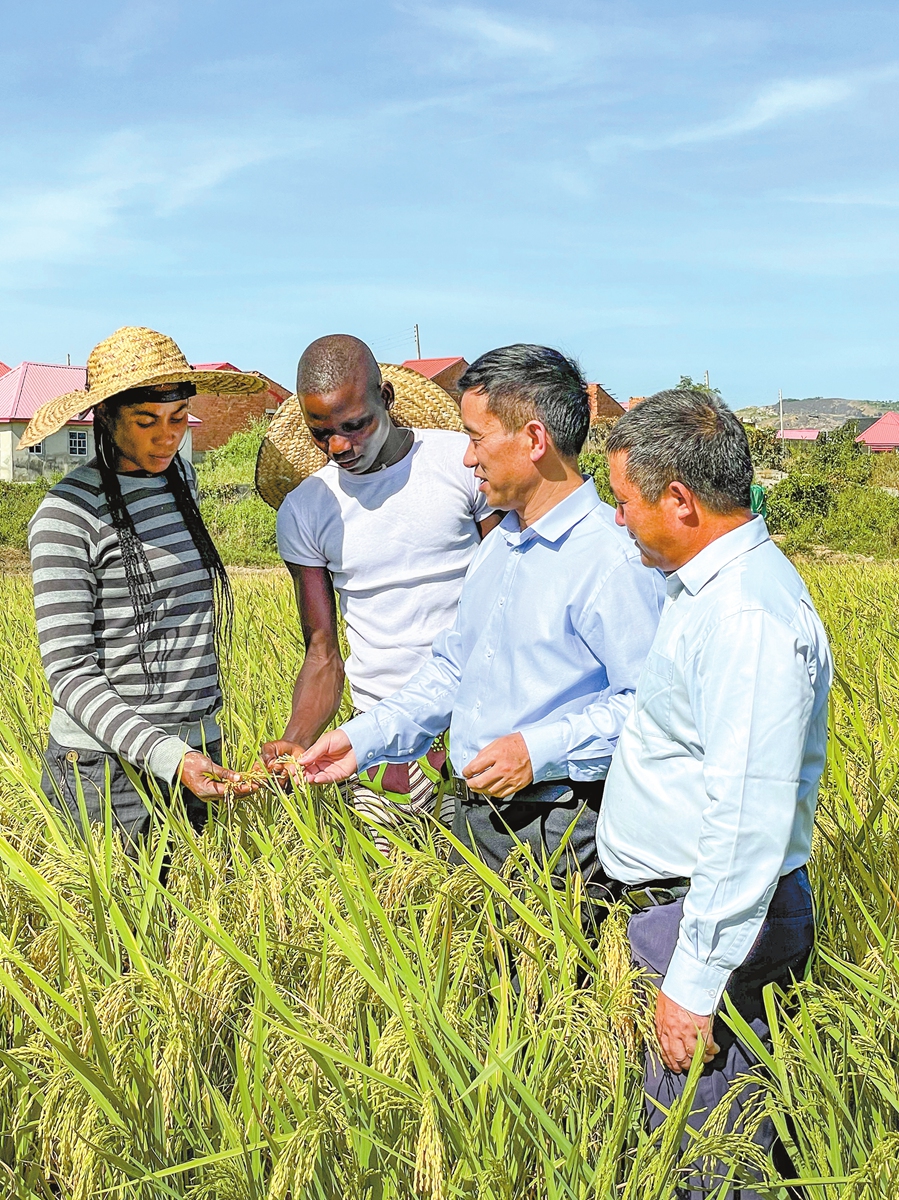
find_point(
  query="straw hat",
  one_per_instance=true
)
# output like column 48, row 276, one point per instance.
column 288, row 454
column 132, row 357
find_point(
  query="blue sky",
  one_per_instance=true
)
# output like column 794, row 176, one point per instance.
column 657, row 188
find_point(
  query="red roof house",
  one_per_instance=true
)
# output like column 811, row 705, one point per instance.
column 799, row 435
column 224, row 415
column 23, row 390
column 883, row 435
column 3, row 368
column 443, row 371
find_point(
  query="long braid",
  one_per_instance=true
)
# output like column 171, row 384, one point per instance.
column 138, row 576
column 222, row 597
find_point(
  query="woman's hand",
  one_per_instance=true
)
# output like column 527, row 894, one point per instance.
column 208, row 781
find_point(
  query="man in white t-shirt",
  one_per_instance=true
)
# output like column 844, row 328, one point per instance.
column 391, row 524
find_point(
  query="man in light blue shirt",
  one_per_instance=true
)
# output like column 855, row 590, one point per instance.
column 537, row 674
column 709, row 806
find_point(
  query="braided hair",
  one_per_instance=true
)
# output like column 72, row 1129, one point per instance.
column 138, row 574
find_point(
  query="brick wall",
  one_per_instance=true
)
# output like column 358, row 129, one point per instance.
column 224, row 415
column 449, row 379
column 601, row 403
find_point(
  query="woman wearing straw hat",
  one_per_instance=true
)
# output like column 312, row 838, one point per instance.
column 133, row 603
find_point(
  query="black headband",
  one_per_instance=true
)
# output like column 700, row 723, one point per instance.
column 162, row 393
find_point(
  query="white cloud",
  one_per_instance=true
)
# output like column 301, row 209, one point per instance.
column 490, row 33
column 778, row 102
column 784, row 100
column 151, row 173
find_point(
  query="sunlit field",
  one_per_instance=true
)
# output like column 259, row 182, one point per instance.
column 293, row 1014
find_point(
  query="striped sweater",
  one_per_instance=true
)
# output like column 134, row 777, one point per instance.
column 86, row 627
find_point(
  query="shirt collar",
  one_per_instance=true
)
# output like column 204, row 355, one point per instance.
column 558, row 521
column 695, row 574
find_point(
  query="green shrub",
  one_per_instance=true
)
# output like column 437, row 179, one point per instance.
column 766, row 451
column 235, row 462
column 806, row 495
column 241, row 525
column 18, row 504
column 840, row 458
column 864, row 520
column 595, row 464
column 885, row 469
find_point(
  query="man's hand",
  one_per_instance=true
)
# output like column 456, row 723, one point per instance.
column 272, row 751
column 208, row 781
column 500, row 769
column 679, row 1030
column 330, row 759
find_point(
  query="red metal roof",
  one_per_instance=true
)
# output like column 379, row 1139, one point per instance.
column 429, row 367
column 3, row 368
column 29, row 385
column 883, row 434
column 799, row 435
column 225, row 366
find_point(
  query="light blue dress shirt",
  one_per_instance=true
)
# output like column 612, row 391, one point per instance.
column 553, row 625
column 717, row 768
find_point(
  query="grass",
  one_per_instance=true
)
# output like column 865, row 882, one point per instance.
column 294, row 1014
column 18, row 504
column 242, row 525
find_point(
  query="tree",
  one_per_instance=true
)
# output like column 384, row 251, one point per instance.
column 687, row 385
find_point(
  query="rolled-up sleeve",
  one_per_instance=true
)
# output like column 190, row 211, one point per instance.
column 752, row 697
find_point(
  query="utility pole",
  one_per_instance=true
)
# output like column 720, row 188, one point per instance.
column 780, row 403
column 417, row 342
column 68, row 360
column 706, row 379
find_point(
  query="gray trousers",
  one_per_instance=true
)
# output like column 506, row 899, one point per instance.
column 778, row 956
column 129, row 811
column 493, row 828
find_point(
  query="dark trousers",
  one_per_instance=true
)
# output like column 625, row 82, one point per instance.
column 129, row 810
column 493, row 828
column 778, row 956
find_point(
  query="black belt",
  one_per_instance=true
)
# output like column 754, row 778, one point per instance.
column 655, row 893
column 552, row 791
column 640, row 896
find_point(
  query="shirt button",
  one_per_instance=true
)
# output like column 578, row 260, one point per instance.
column 501, row 602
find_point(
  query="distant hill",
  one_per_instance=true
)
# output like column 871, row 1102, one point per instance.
column 815, row 412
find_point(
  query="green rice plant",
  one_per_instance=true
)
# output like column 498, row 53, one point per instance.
column 274, row 1008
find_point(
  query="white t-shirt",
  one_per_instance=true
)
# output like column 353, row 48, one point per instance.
column 397, row 543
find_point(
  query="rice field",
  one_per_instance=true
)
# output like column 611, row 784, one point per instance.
column 284, row 1012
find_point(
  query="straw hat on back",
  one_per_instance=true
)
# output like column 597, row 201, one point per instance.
column 132, row 357
column 288, row 454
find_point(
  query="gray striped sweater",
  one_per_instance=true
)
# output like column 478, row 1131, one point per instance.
column 86, row 627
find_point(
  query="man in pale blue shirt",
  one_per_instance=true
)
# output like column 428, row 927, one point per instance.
column 537, row 674
column 707, row 820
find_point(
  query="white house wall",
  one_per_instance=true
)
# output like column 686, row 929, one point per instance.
column 22, row 466
column 55, row 458
column 6, row 452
